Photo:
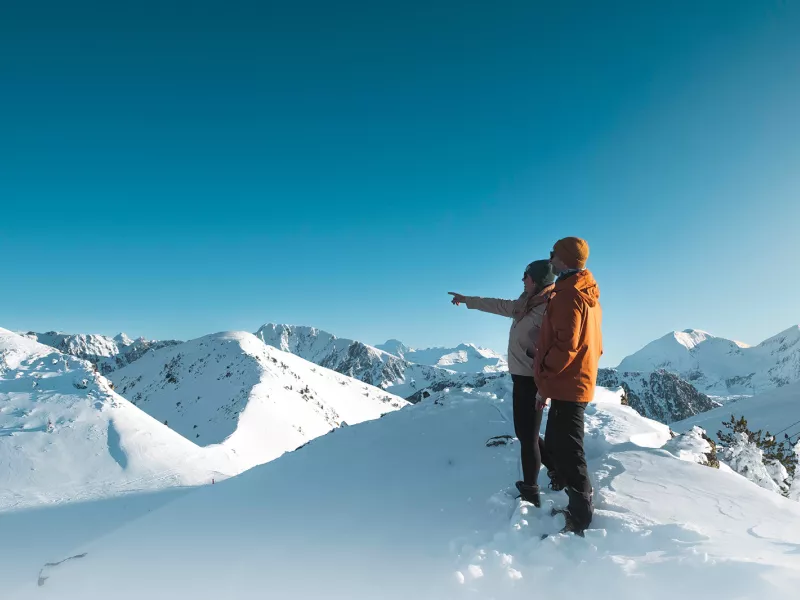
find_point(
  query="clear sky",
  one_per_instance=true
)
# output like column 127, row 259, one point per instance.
column 175, row 169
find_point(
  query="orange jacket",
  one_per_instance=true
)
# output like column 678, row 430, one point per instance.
column 570, row 343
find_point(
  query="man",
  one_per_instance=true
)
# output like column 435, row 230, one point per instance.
column 565, row 370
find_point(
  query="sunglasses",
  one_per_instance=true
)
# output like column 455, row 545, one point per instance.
column 552, row 254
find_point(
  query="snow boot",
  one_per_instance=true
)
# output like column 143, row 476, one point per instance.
column 529, row 493
column 570, row 526
column 556, row 483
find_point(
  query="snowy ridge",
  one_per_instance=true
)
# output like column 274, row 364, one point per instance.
column 108, row 354
column 352, row 358
column 66, row 436
column 256, row 401
column 664, row 527
column 719, row 366
column 464, row 358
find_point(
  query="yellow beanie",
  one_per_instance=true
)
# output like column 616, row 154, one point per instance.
column 572, row 251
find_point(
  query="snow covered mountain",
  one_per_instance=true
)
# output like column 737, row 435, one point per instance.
column 65, row 435
column 104, row 352
column 722, row 367
column 256, row 401
column 659, row 395
column 327, row 522
column 464, row 358
column 352, row 358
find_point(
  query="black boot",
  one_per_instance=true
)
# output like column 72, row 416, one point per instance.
column 570, row 525
column 529, row 493
column 556, row 483
column 581, row 507
column 569, row 522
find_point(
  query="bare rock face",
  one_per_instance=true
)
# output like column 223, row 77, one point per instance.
column 658, row 395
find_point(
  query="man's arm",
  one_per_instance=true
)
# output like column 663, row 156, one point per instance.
column 565, row 320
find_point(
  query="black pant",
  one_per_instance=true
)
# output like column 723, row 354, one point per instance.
column 564, row 437
column 527, row 423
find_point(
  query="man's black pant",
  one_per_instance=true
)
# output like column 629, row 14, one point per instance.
column 527, row 423
column 564, row 437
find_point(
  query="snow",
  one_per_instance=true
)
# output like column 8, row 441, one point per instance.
column 690, row 446
column 255, row 401
column 744, row 457
column 66, row 436
column 416, row 505
column 771, row 411
column 106, row 353
column 722, row 367
column 354, row 359
column 464, row 358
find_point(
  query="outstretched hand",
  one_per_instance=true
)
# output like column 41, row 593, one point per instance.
column 541, row 402
column 457, row 298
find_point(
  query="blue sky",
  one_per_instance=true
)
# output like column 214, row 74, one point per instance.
column 175, row 169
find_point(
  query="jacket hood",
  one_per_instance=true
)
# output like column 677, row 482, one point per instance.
column 584, row 284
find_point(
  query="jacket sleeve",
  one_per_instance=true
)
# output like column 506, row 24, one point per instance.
column 566, row 322
column 538, row 316
column 504, row 308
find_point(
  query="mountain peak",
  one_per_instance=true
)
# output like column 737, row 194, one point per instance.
column 122, row 338
column 690, row 338
column 394, row 346
column 719, row 366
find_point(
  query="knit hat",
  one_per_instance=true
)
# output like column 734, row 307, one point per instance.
column 572, row 251
column 541, row 272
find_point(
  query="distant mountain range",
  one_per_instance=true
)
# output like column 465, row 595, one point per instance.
column 657, row 394
column 107, row 354
column 722, row 367
column 673, row 378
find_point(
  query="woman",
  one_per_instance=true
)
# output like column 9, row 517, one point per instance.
column 527, row 311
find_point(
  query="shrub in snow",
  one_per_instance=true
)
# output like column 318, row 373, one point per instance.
column 760, row 457
column 694, row 446
column 744, row 457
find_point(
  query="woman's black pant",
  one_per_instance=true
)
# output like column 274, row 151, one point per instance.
column 527, row 423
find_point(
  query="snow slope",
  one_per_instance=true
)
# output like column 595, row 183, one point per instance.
column 464, row 358
column 66, row 436
column 256, row 401
column 352, row 358
column 417, row 505
column 105, row 352
column 773, row 411
column 720, row 366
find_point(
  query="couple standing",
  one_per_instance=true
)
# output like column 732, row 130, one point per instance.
column 554, row 348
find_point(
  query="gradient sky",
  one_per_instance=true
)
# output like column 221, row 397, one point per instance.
column 175, row 169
